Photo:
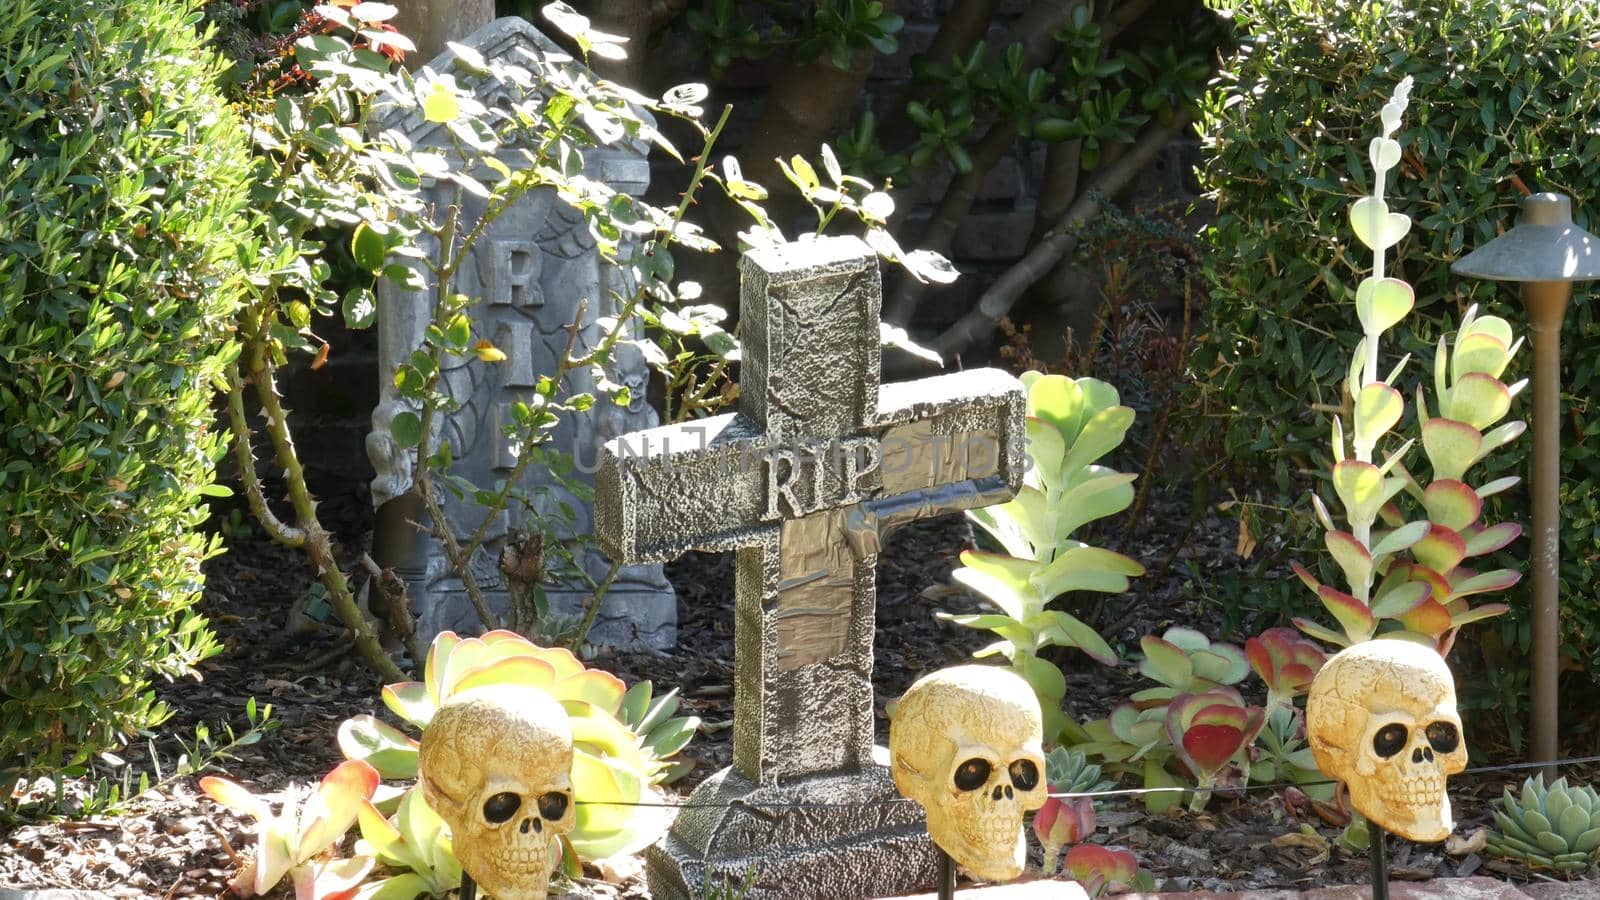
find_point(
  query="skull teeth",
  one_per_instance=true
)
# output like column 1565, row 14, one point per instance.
column 1424, row 791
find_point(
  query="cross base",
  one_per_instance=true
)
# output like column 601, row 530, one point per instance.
column 726, row 833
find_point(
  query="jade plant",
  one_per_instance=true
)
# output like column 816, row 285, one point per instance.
column 1407, row 578
column 1072, row 423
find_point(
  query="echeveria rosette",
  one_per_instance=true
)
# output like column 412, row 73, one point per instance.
column 615, row 767
column 1210, row 731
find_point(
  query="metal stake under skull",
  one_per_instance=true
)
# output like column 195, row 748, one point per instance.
column 946, row 878
column 1380, row 862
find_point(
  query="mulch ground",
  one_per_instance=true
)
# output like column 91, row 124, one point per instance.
column 171, row 842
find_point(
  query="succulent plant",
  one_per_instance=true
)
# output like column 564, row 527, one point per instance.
column 1185, row 661
column 1555, row 827
column 1072, row 423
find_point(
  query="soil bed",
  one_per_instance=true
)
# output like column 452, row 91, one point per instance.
column 173, row 843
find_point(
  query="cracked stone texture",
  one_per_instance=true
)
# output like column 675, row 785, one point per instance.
column 802, row 483
column 535, row 272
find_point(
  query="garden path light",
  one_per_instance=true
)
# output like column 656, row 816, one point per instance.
column 1546, row 252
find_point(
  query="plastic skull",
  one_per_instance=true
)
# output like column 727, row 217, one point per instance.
column 496, row 765
column 1382, row 719
column 965, row 742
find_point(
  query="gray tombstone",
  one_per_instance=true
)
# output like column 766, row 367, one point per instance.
column 530, row 278
column 802, row 483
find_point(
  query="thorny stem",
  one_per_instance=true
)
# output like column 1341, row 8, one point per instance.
column 316, row 542
column 244, row 455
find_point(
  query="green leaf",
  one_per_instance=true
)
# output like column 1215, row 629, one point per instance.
column 1085, row 569
column 1477, row 399
column 1351, row 556
column 1003, row 580
column 1381, row 303
column 1101, row 434
column 1378, row 228
column 440, row 105
column 1068, row 631
column 380, row 745
column 407, row 429
column 1099, row 492
column 1378, row 409
column 1452, row 447
column 368, row 248
column 360, row 308
column 1058, row 400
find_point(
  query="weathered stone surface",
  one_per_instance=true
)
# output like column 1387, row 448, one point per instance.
column 50, row 894
column 802, row 483
column 1439, row 889
column 1562, row 890
column 534, row 274
column 1026, row 890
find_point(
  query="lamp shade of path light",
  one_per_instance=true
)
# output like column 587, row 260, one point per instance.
column 1546, row 252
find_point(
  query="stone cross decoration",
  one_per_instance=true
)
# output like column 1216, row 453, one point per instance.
column 802, row 483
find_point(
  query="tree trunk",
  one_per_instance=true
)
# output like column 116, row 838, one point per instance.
column 429, row 23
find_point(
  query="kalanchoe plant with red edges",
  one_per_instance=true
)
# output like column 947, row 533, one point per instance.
column 1209, row 732
column 299, row 838
column 1098, row 869
column 1423, row 597
column 1286, row 662
column 1185, row 661
column 1067, row 816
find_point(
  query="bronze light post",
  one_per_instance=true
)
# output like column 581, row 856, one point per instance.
column 1546, row 252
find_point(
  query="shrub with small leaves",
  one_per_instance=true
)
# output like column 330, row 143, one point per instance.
column 1506, row 91
column 122, row 174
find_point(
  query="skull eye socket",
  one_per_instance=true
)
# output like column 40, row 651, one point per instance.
column 1443, row 737
column 1024, row 774
column 972, row 774
column 1390, row 739
column 553, row 806
column 501, row 807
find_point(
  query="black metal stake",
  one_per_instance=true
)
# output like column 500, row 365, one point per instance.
column 946, row 877
column 1380, row 862
column 469, row 888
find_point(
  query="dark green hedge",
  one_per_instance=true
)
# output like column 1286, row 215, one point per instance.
column 122, row 180
column 1505, row 92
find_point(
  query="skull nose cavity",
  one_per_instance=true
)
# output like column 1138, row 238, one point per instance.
column 1422, row 753
column 997, row 791
column 535, row 824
